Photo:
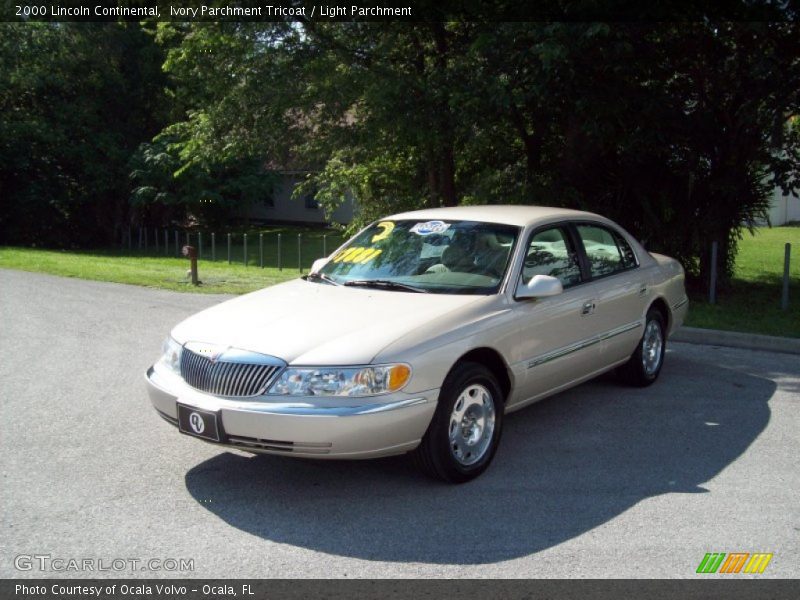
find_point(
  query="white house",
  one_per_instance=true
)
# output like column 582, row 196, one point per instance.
column 281, row 207
column 784, row 208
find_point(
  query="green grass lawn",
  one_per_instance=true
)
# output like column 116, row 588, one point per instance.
column 161, row 269
column 167, row 273
column 752, row 304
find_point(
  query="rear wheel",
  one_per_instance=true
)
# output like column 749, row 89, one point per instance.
column 645, row 363
column 465, row 430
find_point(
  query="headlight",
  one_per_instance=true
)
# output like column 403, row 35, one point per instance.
column 171, row 355
column 341, row 381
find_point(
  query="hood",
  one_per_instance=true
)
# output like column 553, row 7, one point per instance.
column 309, row 323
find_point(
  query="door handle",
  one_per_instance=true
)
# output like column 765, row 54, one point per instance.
column 588, row 308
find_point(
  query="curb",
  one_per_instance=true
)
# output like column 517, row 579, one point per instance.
column 735, row 339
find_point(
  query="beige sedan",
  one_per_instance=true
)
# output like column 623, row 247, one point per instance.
column 420, row 334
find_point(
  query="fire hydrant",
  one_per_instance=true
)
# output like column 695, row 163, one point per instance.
column 190, row 252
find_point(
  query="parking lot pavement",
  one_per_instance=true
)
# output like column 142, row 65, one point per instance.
column 599, row 481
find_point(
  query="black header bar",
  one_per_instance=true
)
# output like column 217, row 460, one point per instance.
column 398, row 10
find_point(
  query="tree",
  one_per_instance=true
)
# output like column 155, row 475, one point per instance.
column 366, row 106
column 677, row 131
column 208, row 193
column 75, row 102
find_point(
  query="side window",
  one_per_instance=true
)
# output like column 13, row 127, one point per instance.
column 551, row 253
column 628, row 257
column 607, row 251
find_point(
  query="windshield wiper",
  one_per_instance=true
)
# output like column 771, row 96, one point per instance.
column 385, row 284
column 320, row 277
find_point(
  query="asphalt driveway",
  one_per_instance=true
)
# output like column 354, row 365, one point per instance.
column 600, row 481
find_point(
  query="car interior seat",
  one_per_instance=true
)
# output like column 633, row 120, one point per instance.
column 460, row 253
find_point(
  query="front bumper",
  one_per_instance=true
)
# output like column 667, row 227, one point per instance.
column 305, row 427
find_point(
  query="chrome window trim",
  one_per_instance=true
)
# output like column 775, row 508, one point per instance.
column 571, row 225
column 582, row 251
column 522, row 251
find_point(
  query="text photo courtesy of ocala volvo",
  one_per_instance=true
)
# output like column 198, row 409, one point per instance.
column 420, row 335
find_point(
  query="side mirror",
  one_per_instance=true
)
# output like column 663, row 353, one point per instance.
column 540, row 286
column 318, row 264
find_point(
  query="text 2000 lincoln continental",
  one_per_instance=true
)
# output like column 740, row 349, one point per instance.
column 420, row 334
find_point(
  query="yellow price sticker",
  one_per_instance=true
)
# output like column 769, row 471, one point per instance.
column 386, row 228
column 356, row 255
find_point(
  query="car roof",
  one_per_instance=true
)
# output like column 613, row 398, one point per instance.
column 507, row 214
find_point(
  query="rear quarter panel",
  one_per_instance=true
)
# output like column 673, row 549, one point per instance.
column 668, row 283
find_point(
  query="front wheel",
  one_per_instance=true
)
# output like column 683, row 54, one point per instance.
column 465, row 430
column 645, row 363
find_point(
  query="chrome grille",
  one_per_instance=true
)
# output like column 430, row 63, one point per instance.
column 222, row 377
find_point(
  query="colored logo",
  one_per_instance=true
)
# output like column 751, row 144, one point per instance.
column 734, row 562
column 430, row 227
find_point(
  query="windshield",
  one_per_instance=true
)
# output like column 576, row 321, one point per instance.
column 447, row 257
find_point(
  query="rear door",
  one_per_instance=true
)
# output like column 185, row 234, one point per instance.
column 619, row 293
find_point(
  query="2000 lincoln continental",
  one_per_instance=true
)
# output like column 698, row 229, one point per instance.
column 420, row 334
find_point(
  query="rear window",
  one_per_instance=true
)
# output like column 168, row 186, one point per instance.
column 606, row 250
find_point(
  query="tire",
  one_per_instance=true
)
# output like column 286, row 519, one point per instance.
column 457, row 450
column 645, row 363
